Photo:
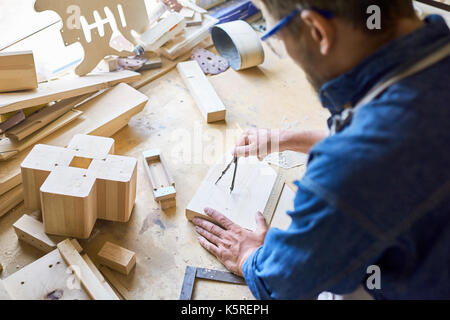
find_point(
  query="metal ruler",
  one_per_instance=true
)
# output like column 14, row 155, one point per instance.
column 193, row 273
column 274, row 197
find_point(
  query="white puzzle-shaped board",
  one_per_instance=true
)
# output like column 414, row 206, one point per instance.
column 93, row 23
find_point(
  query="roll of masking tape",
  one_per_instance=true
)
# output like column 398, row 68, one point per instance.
column 238, row 43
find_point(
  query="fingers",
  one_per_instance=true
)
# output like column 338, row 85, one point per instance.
column 244, row 151
column 208, row 236
column 208, row 246
column 208, row 226
column 220, row 218
column 261, row 224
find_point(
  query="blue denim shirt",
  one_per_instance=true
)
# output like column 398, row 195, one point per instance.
column 377, row 193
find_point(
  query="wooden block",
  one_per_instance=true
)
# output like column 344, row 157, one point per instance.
column 162, row 32
column 77, row 245
column 11, row 199
column 117, row 258
column 116, row 187
column 69, row 202
column 10, row 148
column 88, row 280
column 253, row 186
column 202, row 91
column 100, row 277
column 32, row 232
column 103, row 115
column 17, row 71
column 36, row 168
column 43, row 118
column 161, row 180
column 64, row 89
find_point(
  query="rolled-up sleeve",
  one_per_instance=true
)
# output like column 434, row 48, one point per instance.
column 322, row 250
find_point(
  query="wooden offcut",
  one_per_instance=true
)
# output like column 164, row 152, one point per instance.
column 117, row 258
column 253, row 186
column 64, row 89
column 10, row 199
column 17, row 71
column 202, row 91
column 31, row 231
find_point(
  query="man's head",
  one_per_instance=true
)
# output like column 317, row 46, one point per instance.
column 327, row 47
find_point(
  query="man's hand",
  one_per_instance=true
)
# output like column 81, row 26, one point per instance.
column 231, row 244
column 258, row 142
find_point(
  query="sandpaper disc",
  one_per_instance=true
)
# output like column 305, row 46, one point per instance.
column 131, row 63
column 209, row 62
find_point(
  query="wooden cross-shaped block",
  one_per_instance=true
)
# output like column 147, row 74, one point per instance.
column 77, row 185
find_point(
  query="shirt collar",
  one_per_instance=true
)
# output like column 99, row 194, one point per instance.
column 348, row 88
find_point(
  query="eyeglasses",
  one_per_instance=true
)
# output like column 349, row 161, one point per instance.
column 286, row 20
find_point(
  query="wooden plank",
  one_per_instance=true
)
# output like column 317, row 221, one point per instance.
column 4, row 295
column 88, row 280
column 253, row 185
column 11, row 122
column 117, row 258
column 44, row 117
column 104, row 115
column 100, row 277
column 10, row 148
column 124, row 292
column 45, row 279
column 32, row 232
column 17, row 71
column 202, row 91
column 63, row 89
column 11, row 199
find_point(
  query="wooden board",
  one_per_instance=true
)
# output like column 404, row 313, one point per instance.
column 253, row 185
column 63, row 89
column 89, row 281
column 45, row 279
column 115, row 283
column 11, row 199
column 103, row 116
column 44, row 117
column 17, row 71
column 10, row 148
column 117, row 258
column 202, row 91
column 32, row 231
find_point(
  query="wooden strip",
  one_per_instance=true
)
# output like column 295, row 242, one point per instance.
column 86, row 276
column 102, row 116
column 44, row 117
column 9, row 185
column 202, row 91
column 9, row 148
column 13, row 121
column 115, row 283
column 63, row 89
column 99, row 276
column 11, row 199
column 4, row 295
column 32, row 232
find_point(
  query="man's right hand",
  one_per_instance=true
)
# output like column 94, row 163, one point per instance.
column 261, row 142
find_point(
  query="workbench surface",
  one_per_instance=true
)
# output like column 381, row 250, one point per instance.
column 274, row 95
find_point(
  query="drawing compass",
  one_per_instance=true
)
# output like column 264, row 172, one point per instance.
column 235, row 161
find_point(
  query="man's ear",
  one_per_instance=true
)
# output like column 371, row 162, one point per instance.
column 322, row 30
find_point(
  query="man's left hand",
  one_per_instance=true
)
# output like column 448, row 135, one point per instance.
column 230, row 243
